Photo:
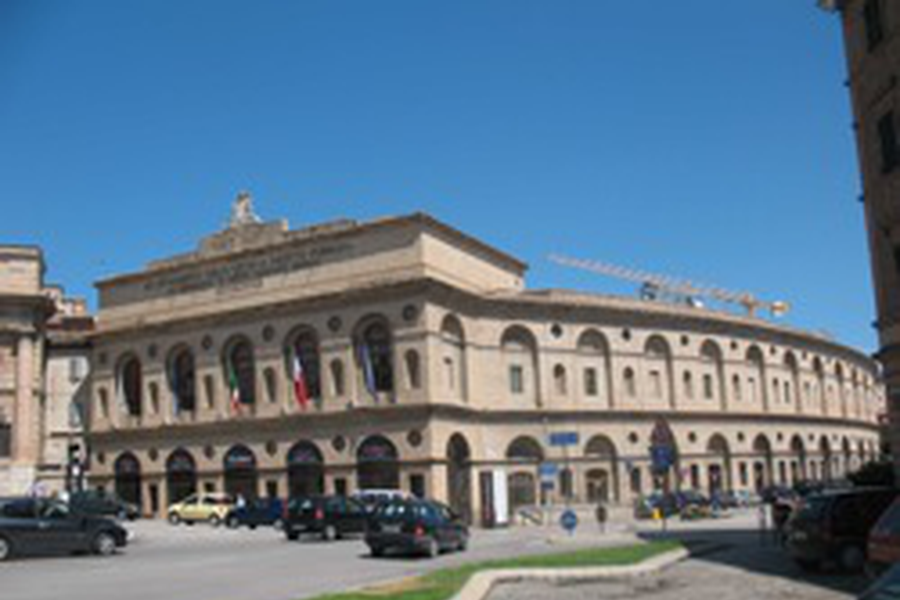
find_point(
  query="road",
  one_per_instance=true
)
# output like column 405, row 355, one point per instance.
column 202, row 563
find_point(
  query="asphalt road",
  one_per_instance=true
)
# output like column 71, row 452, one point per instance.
column 201, row 563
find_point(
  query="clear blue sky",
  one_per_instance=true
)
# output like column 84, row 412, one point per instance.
column 705, row 138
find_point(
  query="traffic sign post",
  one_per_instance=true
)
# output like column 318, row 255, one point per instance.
column 568, row 520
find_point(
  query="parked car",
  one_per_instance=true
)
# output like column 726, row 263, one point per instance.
column 330, row 517
column 264, row 511
column 372, row 498
column 211, row 508
column 773, row 493
column 416, row 526
column 99, row 503
column 886, row 588
column 37, row 526
column 883, row 548
column 834, row 526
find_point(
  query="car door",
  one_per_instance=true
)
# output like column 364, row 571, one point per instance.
column 20, row 524
column 61, row 530
column 357, row 516
column 189, row 510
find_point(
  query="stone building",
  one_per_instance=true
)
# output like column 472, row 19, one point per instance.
column 871, row 30
column 430, row 367
column 43, row 375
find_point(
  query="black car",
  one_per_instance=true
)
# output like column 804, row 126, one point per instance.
column 834, row 527
column 330, row 517
column 263, row 511
column 102, row 504
column 35, row 526
column 416, row 526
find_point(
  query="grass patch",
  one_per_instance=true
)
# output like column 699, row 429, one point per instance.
column 444, row 583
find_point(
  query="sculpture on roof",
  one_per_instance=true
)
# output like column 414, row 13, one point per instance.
column 242, row 212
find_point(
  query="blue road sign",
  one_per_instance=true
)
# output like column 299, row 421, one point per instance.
column 662, row 458
column 564, row 438
column 548, row 471
column 568, row 520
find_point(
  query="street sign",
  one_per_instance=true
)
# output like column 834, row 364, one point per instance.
column 568, row 520
column 564, row 438
column 548, row 471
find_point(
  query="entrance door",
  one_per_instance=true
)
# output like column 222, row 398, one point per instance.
column 459, row 477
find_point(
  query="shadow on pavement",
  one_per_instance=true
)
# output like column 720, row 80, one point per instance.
column 759, row 553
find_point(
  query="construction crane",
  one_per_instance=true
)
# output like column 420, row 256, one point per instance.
column 671, row 289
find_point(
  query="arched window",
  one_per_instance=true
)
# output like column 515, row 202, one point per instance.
column 303, row 347
column 306, row 471
column 628, row 380
column 756, row 383
column 181, row 475
column 559, row 380
column 5, row 439
column 337, row 377
column 271, row 384
column 713, row 369
column 519, row 350
column 820, row 382
column 454, row 351
column 131, row 385
column 736, row 390
column 792, row 387
column 687, row 379
column 593, row 358
column 240, row 373
column 658, row 367
column 375, row 354
column 377, row 464
column 414, row 372
column 182, row 381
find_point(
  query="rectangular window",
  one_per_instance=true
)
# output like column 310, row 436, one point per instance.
column 5, row 440
column 742, row 470
column 516, row 379
column 75, row 373
column 887, row 138
column 417, row 485
column 450, row 373
column 590, row 382
column 688, row 385
column 708, row 386
column 656, row 384
column 736, row 384
column 874, row 24
column 751, row 388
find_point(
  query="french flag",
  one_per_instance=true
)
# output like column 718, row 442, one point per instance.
column 301, row 390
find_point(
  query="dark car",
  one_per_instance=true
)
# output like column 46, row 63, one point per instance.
column 330, row 517
column 884, row 541
column 34, row 526
column 834, row 526
column 102, row 504
column 264, row 511
column 416, row 526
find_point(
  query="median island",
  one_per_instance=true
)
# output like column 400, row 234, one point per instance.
column 443, row 584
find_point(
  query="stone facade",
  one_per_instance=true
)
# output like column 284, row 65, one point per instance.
column 41, row 333
column 871, row 31
column 431, row 366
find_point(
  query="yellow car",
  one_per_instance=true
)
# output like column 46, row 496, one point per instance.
column 212, row 508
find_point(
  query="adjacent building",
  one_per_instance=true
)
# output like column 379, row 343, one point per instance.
column 871, row 31
column 44, row 353
column 403, row 353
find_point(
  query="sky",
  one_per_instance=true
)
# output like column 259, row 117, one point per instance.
column 703, row 139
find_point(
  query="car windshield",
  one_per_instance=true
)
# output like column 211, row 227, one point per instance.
column 813, row 507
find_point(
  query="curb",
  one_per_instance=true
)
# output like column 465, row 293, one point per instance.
column 480, row 584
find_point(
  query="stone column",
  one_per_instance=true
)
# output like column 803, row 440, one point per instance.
column 26, row 434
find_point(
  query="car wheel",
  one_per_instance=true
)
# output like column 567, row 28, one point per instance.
column 104, row 544
column 215, row 520
column 252, row 527
column 6, row 549
column 852, row 559
column 433, row 548
column 463, row 543
column 233, row 523
column 329, row 534
column 292, row 535
column 174, row 519
column 278, row 525
column 377, row 551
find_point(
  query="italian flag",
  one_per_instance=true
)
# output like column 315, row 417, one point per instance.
column 234, row 389
column 301, row 390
